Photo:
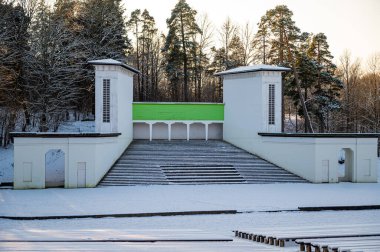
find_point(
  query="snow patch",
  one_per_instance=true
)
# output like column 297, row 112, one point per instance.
column 176, row 198
column 378, row 170
column 77, row 126
column 6, row 164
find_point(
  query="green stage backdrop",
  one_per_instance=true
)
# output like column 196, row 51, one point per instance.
column 178, row 111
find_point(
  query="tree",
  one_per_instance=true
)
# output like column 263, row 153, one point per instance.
column 14, row 24
column 247, row 40
column 179, row 45
column 373, row 96
column 361, row 101
column 53, row 74
column 102, row 31
column 201, row 55
column 149, row 39
column 283, row 34
column 134, row 24
column 232, row 46
column 218, row 64
column 350, row 72
column 261, row 43
column 327, row 86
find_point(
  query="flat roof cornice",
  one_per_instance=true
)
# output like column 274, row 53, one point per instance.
column 62, row 135
column 323, row 135
column 254, row 68
column 112, row 62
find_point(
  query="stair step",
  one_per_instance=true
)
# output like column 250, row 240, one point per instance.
column 170, row 173
column 192, row 162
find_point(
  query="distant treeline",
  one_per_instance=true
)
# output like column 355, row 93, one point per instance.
column 44, row 72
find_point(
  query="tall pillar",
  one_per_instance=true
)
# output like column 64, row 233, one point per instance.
column 150, row 131
column 169, row 131
column 113, row 96
column 188, row 131
column 206, row 129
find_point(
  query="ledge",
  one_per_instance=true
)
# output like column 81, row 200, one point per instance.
column 322, row 135
column 181, row 103
column 61, row 135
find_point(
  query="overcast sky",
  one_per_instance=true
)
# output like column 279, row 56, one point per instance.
column 348, row 24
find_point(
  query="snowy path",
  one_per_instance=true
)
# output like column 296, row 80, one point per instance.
column 151, row 199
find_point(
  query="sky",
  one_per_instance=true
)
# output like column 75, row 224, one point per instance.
column 348, row 24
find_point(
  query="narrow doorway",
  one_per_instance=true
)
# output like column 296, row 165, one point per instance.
column 54, row 168
column 346, row 163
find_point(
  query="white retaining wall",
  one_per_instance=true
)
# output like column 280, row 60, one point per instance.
column 315, row 159
column 96, row 154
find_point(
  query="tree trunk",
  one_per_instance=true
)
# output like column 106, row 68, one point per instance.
column 185, row 77
column 304, row 108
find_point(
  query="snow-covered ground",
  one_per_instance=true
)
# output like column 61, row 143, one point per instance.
column 139, row 199
column 174, row 198
column 77, row 126
column 220, row 224
column 143, row 199
column 6, row 164
column 185, row 227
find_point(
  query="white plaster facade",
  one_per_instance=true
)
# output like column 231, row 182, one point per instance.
column 95, row 154
column 245, row 98
column 313, row 158
column 87, row 156
column 316, row 158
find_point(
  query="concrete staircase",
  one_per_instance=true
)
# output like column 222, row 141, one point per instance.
column 192, row 162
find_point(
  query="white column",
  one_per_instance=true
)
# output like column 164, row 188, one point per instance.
column 169, row 131
column 206, row 129
column 188, row 131
column 150, row 131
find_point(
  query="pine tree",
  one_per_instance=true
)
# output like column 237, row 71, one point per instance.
column 327, row 86
column 261, row 42
column 134, row 24
column 284, row 35
column 148, row 39
column 178, row 46
column 145, row 54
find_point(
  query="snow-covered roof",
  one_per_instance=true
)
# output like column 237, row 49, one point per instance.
column 254, row 68
column 113, row 62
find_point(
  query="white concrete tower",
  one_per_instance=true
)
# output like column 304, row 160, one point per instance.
column 113, row 96
column 252, row 96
